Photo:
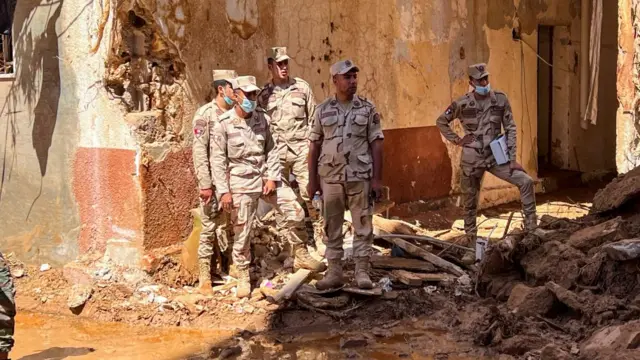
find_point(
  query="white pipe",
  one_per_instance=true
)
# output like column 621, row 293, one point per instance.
column 584, row 61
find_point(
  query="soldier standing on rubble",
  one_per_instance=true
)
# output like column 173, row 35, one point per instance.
column 244, row 148
column 345, row 164
column 483, row 112
column 203, row 122
column 7, row 309
column 290, row 104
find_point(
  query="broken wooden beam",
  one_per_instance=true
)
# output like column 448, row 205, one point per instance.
column 376, row 291
column 429, row 239
column 298, row 278
column 416, row 279
column 421, row 253
column 392, row 262
column 392, row 226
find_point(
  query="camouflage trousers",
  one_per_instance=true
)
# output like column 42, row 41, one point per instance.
column 214, row 227
column 7, row 307
column 297, row 164
column 352, row 196
column 245, row 206
column 472, row 180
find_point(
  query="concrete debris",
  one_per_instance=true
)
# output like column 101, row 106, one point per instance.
column 527, row 301
column 595, row 236
column 17, row 272
column 45, row 267
column 79, row 295
column 623, row 250
column 618, row 192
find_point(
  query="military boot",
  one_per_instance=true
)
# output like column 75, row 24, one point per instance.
column 362, row 273
column 333, row 277
column 304, row 260
column 530, row 222
column 204, row 267
column 243, row 289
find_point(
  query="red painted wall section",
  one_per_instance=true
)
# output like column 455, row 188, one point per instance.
column 108, row 197
column 169, row 192
column 416, row 164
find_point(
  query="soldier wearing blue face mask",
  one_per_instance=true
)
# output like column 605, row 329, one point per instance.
column 484, row 113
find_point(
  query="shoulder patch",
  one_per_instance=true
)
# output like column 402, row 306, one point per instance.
column 376, row 118
column 199, row 128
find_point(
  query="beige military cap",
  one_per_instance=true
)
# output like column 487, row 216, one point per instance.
column 343, row 67
column 245, row 83
column 278, row 54
column 478, row 71
column 227, row 75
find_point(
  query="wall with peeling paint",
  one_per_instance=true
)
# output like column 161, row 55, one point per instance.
column 68, row 179
column 118, row 121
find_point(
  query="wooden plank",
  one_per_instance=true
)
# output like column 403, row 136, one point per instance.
column 392, row 226
column 437, row 277
column 406, row 277
column 421, row 253
column 299, row 278
column 376, row 291
column 389, row 262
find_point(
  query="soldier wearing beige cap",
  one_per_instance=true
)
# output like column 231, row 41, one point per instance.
column 212, row 222
column 345, row 164
column 244, row 147
column 290, row 104
column 483, row 113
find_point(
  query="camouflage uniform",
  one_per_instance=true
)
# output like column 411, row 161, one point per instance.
column 246, row 150
column 213, row 222
column 7, row 307
column 483, row 119
column 345, row 167
column 290, row 108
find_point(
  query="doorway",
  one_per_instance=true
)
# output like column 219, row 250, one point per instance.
column 545, row 98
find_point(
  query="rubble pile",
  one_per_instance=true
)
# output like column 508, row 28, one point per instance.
column 577, row 278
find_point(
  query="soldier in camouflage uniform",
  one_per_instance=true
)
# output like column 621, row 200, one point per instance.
column 212, row 220
column 290, row 104
column 345, row 163
column 7, row 309
column 483, row 113
column 244, row 147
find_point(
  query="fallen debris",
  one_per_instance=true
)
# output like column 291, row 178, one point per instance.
column 416, row 279
column 565, row 296
column 623, row 250
column 424, row 254
column 527, row 301
column 391, row 262
column 79, row 295
column 618, row 192
column 296, row 280
column 45, row 267
column 376, row 291
column 595, row 236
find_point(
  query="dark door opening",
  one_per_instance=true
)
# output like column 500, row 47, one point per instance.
column 545, row 98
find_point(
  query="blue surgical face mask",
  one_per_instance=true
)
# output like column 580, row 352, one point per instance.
column 483, row 90
column 248, row 105
column 227, row 100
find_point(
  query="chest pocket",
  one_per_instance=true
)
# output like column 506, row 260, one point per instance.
column 329, row 122
column 470, row 119
column 298, row 107
column 359, row 124
column 260, row 135
column 235, row 144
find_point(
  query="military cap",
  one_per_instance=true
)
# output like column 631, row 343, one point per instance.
column 343, row 67
column 245, row 83
column 278, row 54
column 226, row 75
column 478, row 71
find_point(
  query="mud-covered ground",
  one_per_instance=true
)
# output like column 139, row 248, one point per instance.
column 555, row 294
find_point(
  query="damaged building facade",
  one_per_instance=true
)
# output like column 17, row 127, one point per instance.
column 99, row 99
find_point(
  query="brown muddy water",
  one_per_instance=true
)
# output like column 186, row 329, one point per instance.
column 43, row 337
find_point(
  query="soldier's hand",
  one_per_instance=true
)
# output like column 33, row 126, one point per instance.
column 313, row 187
column 227, row 202
column 376, row 189
column 515, row 166
column 205, row 195
column 466, row 140
column 269, row 187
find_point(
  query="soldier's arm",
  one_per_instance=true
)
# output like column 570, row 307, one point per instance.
column 375, row 137
column 273, row 158
column 200, row 150
column 444, row 122
column 316, row 136
column 311, row 107
column 219, row 160
column 510, row 130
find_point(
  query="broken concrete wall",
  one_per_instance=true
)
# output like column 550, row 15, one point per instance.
column 628, row 85
column 68, row 179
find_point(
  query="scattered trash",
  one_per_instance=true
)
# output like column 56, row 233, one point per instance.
column 430, row 289
column 45, row 267
column 385, row 284
column 160, row 299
